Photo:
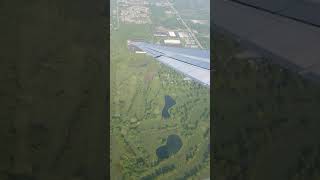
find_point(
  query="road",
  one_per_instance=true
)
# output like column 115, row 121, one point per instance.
column 187, row 27
column 118, row 21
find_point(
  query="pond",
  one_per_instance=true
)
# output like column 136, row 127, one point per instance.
column 169, row 102
column 172, row 146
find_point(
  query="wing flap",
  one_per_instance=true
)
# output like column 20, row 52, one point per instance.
column 193, row 63
column 196, row 73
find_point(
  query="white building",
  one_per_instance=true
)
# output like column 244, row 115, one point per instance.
column 160, row 34
column 172, row 41
column 172, row 34
column 183, row 34
column 140, row 52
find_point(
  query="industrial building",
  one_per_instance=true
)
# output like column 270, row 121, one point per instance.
column 172, row 41
column 160, row 34
column 172, row 34
column 183, row 34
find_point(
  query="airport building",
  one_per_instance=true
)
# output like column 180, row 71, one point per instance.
column 172, row 41
column 160, row 34
column 183, row 34
column 172, row 34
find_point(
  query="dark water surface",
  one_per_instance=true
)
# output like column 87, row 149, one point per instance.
column 169, row 102
column 172, row 146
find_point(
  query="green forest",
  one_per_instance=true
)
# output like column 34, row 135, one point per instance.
column 138, row 86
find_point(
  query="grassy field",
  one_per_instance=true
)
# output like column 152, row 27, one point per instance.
column 138, row 87
column 196, row 10
column 192, row 4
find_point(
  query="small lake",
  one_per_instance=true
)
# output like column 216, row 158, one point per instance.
column 169, row 102
column 172, row 146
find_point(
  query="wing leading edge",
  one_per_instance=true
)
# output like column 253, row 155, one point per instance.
column 193, row 63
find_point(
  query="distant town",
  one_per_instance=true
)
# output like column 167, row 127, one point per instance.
column 175, row 37
column 134, row 11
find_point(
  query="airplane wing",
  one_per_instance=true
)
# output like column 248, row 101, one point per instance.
column 193, row 63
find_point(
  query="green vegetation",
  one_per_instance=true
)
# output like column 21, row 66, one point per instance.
column 138, row 87
column 196, row 10
column 172, row 22
column 160, row 171
column 158, row 14
column 191, row 4
column 160, row 18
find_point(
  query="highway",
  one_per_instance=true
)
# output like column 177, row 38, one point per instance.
column 187, row 27
column 118, row 21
